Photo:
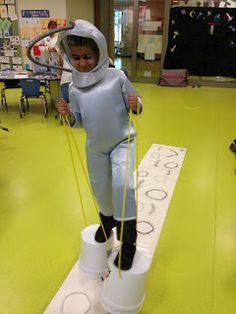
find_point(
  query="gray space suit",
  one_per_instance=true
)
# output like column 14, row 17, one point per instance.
column 99, row 102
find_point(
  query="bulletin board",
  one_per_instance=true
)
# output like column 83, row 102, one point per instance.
column 10, row 46
column 202, row 40
column 31, row 28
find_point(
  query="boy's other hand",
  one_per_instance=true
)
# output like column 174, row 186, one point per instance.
column 62, row 107
column 133, row 101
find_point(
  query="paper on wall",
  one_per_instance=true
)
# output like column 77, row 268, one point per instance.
column 149, row 52
column 17, row 67
column 3, row 11
column 146, row 40
column 16, row 60
column 6, row 33
column 11, row 10
column 9, row 53
column 13, row 17
column 5, row 66
column 4, row 59
column 15, row 40
column 10, row 1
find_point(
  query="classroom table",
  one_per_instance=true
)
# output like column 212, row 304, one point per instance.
column 51, row 82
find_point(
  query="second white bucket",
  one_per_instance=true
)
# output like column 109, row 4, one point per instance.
column 94, row 255
column 125, row 295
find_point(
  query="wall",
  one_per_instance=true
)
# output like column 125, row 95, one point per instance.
column 80, row 9
column 69, row 9
column 57, row 8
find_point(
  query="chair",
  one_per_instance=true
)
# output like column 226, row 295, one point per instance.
column 47, row 88
column 31, row 89
column 65, row 94
column 65, row 91
column 8, row 84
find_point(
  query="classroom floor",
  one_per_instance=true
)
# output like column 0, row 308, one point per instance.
column 194, row 268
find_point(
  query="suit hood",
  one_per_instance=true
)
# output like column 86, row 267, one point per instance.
column 85, row 29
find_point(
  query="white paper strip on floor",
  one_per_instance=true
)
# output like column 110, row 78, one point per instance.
column 157, row 177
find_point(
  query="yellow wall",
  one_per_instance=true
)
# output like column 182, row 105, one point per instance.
column 79, row 9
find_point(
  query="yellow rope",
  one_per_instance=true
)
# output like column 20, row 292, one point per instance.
column 137, row 160
column 126, row 179
column 124, row 194
column 86, row 178
column 74, row 169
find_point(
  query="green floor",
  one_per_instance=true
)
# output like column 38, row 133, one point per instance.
column 194, row 268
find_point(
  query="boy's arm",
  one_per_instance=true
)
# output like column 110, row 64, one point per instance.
column 74, row 117
column 131, row 97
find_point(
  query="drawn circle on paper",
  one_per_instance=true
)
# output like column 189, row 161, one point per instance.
column 140, row 207
column 76, row 303
column 144, row 227
column 171, row 165
column 142, row 173
column 157, row 194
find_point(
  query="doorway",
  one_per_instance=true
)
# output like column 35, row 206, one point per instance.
column 138, row 36
column 123, row 29
column 134, row 30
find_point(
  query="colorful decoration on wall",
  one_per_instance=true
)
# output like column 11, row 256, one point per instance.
column 202, row 40
column 10, row 47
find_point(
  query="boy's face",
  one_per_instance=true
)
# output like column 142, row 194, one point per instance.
column 84, row 59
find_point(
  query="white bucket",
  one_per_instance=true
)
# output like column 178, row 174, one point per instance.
column 125, row 295
column 94, row 255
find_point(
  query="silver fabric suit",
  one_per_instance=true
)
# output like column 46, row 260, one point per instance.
column 98, row 100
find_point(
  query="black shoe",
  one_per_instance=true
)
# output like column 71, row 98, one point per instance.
column 100, row 236
column 233, row 147
column 108, row 223
column 127, row 256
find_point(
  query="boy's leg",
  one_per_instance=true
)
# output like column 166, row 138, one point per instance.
column 99, row 168
column 128, row 246
column 119, row 164
column 108, row 223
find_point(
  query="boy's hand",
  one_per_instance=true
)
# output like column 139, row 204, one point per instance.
column 62, row 107
column 133, row 101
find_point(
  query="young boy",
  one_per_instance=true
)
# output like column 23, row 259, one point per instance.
column 100, row 99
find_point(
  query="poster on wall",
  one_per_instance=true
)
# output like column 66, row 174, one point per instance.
column 35, row 13
column 10, row 48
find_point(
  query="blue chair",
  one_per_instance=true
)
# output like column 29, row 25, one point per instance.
column 31, row 89
column 65, row 91
column 65, row 94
